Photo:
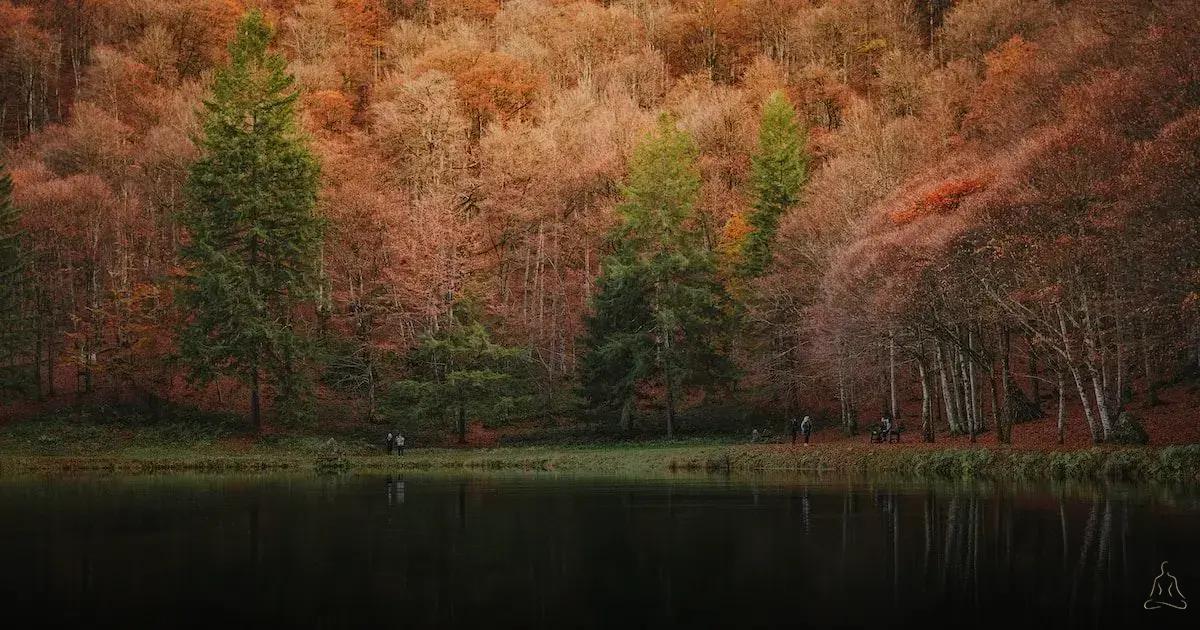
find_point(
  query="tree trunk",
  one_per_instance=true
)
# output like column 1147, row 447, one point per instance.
column 892, row 374
column 670, row 409
column 255, row 405
column 37, row 361
column 50, row 362
column 1087, row 405
column 992, row 389
column 1119, row 398
column 627, row 414
column 926, row 403
column 844, row 415
column 947, row 394
column 953, row 357
column 1004, row 421
column 1097, row 376
column 968, row 406
column 1035, row 383
column 1062, row 408
column 370, row 389
column 1101, row 399
column 462, row 424
column 976, row 407
column 1147, row 366
column 1074, row 369
column 670, row 386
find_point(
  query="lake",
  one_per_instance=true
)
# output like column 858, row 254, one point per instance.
column 559, row 551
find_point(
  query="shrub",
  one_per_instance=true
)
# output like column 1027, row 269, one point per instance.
column 1128, row 431
column 331, row 458
column 974, row 463
column 1127, row 465
column 1179, row 462
column 1077, row 464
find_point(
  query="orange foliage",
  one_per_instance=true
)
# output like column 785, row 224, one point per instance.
column 1009, row 99
column 499, row 85
column 733, row 238
column 707, row 35
column 490, row 84
column 469, row 9
column 367, row 19
column 1064, row 136
column 330, row 110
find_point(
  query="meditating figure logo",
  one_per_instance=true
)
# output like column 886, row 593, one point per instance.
column 1165, row 592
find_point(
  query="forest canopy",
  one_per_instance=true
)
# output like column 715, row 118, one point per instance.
column 988, row 207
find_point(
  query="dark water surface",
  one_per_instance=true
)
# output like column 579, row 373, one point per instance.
column 567, row 552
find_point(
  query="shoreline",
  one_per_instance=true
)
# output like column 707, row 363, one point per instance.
column 1177, row 464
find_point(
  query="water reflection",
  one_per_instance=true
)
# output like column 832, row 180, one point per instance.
column 395, row 490
column 537, row 551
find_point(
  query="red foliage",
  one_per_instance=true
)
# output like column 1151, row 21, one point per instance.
column 943, row 198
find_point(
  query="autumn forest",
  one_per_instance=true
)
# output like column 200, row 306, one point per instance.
column 654, row 216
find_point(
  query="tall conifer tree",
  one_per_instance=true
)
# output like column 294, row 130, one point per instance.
column 660, row 312
column 778, row 173
column 255, row 238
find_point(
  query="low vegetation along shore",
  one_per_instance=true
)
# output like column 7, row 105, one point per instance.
column 61, row 446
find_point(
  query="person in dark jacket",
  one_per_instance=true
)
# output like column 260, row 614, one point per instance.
column 794, row 427
column 388, row 442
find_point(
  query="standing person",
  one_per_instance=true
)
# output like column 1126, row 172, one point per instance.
column 387, row 443
column 805, row 428
column 399, row 443
column 793, row 426
column 885, row 427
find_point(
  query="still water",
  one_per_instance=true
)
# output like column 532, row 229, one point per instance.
column 548, row 551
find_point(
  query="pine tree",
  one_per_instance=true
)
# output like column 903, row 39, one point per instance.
column 459, row 368
column 660, row 312
column 14, row 329
column 254, row 236
column 778, row 173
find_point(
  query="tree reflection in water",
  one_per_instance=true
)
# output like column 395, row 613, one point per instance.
column 559, row 551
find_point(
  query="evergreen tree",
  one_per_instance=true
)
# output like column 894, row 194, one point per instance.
column 11, row 258
column 659, row 314
column 460, row 369
column 255, row 238
column 778, row 173
column 14, row 329
column 619, row 349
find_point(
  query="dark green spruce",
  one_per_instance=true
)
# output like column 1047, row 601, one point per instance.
column 252, row 257
column 660, row 318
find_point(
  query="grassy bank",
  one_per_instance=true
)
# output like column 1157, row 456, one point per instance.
column 62, row 446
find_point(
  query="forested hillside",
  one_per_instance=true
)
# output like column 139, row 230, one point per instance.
column 967, row 213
